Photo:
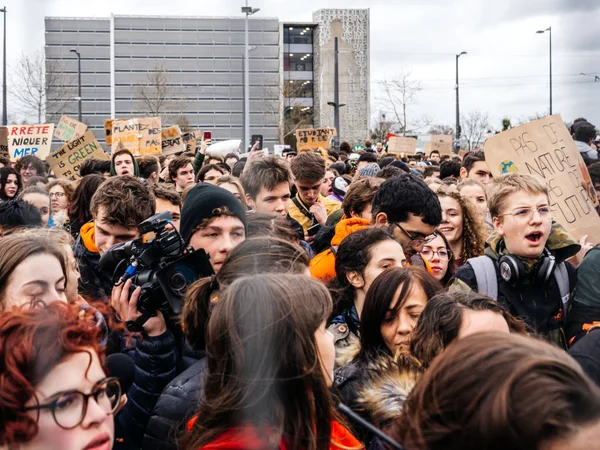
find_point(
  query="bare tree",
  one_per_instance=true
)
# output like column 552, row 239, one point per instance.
column 399, row 93
column 295, row 114
column 475, row 125
column 441, row 129
column 381, row 128
column 39, row 87
column 156, row 94
column 184, row 124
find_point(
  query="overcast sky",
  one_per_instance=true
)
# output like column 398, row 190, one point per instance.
column 504, row 74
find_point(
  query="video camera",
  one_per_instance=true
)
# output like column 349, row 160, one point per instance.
column 161, row 266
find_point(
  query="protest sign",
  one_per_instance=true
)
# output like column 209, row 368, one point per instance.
column 69, row 129
column 139, row 136
column 313, row 138
column 442, row 143
column 400, row 144
column 172, row 141
column 66, row 161
column 544, row 148
column 108, row 132
column 3, row 142
column 29, row 140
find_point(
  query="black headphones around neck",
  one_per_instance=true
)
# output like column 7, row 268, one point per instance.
column 512, row 270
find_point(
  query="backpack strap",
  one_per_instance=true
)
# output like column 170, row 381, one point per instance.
column 562, row 280
column 485, row 274
column 303, row 210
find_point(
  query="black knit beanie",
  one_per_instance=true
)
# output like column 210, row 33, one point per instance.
column 200, row 203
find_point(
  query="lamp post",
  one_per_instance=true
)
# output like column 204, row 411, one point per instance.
column 336, row 97
column 549, row 30
column 458, row 130
column 248, row 10
column 4, row 111
column 78, row 78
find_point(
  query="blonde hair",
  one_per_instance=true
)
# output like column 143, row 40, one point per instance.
column 236, row 182
column 503, row 186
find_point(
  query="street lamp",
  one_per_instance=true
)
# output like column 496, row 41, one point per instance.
column 248, row 10
column 78, row 78
column 336, row 97
column 4, row 111
column 458, row 130
column 549, row 30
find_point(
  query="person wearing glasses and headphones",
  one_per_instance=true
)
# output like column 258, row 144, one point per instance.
column 523, row 266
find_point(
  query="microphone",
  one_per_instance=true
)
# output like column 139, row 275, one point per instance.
column 369, row 426
column 122, row 367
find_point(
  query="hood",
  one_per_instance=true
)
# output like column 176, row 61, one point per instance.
column 343, row 355
column 346, row 227
column 136, row 168
column 583, row 147
column 560, row 243
column 87, row 237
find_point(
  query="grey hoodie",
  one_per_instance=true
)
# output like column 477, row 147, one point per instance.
column 586, row 150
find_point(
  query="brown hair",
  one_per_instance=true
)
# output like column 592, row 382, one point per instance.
column 79, row 208
column 206, row 169
column 265, row 173
column 271, row 225
column 68, row 187
column 252, row 256
column 167, row 193
column 178, row 163
column 496, row 391
column 474, row 232
column 264, row 366
column 360, row 194
column 15, row 248
column 148, row 164
column 214, row 156
column 235, row 181
column 442, row 318
column 126, row 201
column 505, row 185
column 308, row 167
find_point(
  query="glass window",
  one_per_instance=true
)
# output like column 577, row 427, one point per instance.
column 298, row 62
column 297, row 88
column 297, row 35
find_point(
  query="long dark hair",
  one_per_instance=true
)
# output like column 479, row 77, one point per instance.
column 353, row 255
column 379, row 298
column 451, row 262
column 79, row 208
column 4, row 173
column 264, row 368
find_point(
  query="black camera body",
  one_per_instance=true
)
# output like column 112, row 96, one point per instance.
column 161, row 266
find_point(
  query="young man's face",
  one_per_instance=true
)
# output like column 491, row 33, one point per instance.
column 27, row 172
column 165, row 205
column 525, row 224
column 480, row 171
column 218, row 238
column 184, row 178
column 106, row 235
column 326, row 189
column 412, row 234
column 309, row 191
column 379, row 147
column 124, row 165
column 275, row 201
column 212, row 176
column 435, row 157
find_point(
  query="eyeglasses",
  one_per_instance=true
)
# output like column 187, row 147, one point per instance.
column 416, row 243
column 57, row 194
column 70, row 408
column 524, row 215
column 443, row 253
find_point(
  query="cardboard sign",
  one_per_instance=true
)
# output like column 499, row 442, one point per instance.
column 400, row 144
column 108, row 132
column 139, row 136
column 69, row 129
column 442, row 143
column 29, row 140
column 3, row 142
column 544, row 148
column 66, row 161
column 172, row 141
column 313, row 138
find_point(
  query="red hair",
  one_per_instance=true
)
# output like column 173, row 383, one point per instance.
column 32, row 343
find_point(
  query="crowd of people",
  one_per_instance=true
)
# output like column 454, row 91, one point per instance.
column 337, row 300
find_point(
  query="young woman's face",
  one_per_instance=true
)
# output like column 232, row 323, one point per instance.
column 326, row 348
column 38, row 278
column 212, row 176
column 233, row 189
column 397, row 329
column 42, row 204
column 326, row 189
column 452, row 219
column 481, row 322
column 12, row 186
column 96, row 431
column 384, row 255
column 477, row 195
column 58, row 199
column 218, row 238
column 438, row 264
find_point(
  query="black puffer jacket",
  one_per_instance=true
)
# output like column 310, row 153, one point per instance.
column 177, row 404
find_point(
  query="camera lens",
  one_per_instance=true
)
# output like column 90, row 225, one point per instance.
column 178, row 282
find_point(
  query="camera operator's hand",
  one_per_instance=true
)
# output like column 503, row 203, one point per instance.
column 126, row 309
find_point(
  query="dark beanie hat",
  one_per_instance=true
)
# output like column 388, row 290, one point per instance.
column 200, row 203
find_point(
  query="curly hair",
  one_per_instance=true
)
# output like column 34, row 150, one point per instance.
column 474, row 232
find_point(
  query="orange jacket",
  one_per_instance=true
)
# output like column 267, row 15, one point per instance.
column 322, row 266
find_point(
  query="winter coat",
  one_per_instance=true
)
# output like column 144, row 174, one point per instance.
column 586, row 351
column 585, row 308
column 175, row 406
column 587, row 152
column 539, row 306
column 344, row 328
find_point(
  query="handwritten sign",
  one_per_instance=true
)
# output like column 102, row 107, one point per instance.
column 29, row 140
column 172, row 141
column 66, row 161
column 400, row 144
column 442, row 143
column 69, row 129
column 108, row 132
column 190, row 140
column 544, row 148
column 139, row 136
column 3, row 142
column 313, row 138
